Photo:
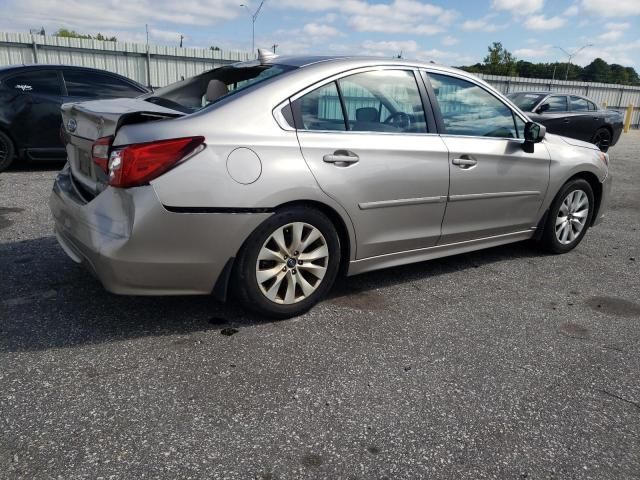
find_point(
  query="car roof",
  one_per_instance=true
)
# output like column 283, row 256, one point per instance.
column 306, row 60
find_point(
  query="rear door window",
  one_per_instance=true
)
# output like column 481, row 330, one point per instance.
column 383, row 101
column 557, row 103
column 320, row 109
column 44, row 82
column 88, row 84
column 579, row 104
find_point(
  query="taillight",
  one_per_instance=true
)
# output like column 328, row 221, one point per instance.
column 100, row 152
column 138, row 164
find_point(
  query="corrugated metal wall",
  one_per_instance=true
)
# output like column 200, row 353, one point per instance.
column 616, row 97
column 169, row 64
column 166, row 64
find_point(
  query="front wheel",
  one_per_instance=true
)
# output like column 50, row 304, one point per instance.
column 288, row 264
column 569, row 217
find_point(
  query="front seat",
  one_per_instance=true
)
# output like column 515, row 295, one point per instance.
column 215, row 90
column 368, row 120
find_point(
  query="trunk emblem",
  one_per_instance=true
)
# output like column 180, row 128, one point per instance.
column 72, row 125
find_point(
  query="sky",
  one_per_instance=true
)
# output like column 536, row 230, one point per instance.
column 455, row 32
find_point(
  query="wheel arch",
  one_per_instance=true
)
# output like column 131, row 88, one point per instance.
column 596, row 186
column 347, row 244
column 344, row 234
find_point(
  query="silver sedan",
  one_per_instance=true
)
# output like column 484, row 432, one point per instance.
column 267, row 179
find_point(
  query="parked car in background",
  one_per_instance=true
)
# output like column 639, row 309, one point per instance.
column 30, row 100
column 571, row 116
column 270, row 177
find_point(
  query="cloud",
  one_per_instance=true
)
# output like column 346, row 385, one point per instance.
column 606, row 8
column 540, row 22
column 398, row 16
column 615, row 31
column 543, row 51
column 449, row 40
column 411, row 49
column 484, row 24
column 518, row 7
column 571, row 11
column 320, row 30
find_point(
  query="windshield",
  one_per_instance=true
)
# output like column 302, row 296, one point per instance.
column 197, row 92
column 526, row 101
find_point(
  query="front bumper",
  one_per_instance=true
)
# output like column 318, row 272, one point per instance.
column 134, row 246
column 604, row 201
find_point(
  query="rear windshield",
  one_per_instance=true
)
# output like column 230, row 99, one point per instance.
column 197, row 92
column 526, row 101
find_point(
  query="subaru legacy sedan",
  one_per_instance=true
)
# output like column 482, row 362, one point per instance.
column 267, row 179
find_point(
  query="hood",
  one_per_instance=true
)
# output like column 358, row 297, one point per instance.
column 577, row 143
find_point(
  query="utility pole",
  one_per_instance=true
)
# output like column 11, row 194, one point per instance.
column 181, row 38
column 571, row 55
column 254, row 17
column 274, row 46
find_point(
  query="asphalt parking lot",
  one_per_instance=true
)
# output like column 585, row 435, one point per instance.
column 505, row 363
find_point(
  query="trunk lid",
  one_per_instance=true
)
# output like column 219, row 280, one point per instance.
column 83, row 123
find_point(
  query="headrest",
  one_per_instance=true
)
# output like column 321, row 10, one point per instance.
column 215, row 90
column 367, row 114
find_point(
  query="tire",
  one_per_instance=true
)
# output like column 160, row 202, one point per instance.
column 274, row 279
column 563, row 236
column 600, row 135
column 7, row 152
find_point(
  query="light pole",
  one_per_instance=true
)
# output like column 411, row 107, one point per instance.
column 254, row 16
column 571, row 55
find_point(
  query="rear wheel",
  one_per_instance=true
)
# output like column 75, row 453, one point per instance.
column 601, row 135
column 569, row 217
column 7, row 152
column 288, row 264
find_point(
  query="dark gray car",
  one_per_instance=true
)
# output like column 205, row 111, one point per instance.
column 572, row 116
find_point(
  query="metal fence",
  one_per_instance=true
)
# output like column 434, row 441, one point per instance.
column 613, row 96
column 157, row 66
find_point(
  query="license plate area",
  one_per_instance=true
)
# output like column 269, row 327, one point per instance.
column 85, row 165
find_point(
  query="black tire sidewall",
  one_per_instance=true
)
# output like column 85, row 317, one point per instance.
column 245, row 283
column 11, row 152
column 598, row 133
column 550, row 241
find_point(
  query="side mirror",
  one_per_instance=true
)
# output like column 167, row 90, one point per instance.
column 543, row 108
column 533, row 133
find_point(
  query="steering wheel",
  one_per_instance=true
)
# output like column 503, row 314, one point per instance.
column 398, row 119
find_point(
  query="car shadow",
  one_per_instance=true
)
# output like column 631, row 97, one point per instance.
column 47, row 301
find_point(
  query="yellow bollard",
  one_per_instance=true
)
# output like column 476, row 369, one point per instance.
column 627, row 119
column 604, row 105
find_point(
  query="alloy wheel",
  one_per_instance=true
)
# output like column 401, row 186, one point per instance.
column 572, row 216
column 292, row 263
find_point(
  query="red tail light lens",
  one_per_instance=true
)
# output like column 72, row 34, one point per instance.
column 100, row 152
column 138, row 164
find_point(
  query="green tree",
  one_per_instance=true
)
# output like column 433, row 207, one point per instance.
column 499, row 60
column 66, row 33
column 597, row 71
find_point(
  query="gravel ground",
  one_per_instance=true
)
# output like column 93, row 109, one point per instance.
column 505, row 363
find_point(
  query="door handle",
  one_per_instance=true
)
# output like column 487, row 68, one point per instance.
column 344, row 157
column 465, row 162
column 566, row 120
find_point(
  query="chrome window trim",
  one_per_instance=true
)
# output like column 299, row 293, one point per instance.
column 279, row 117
